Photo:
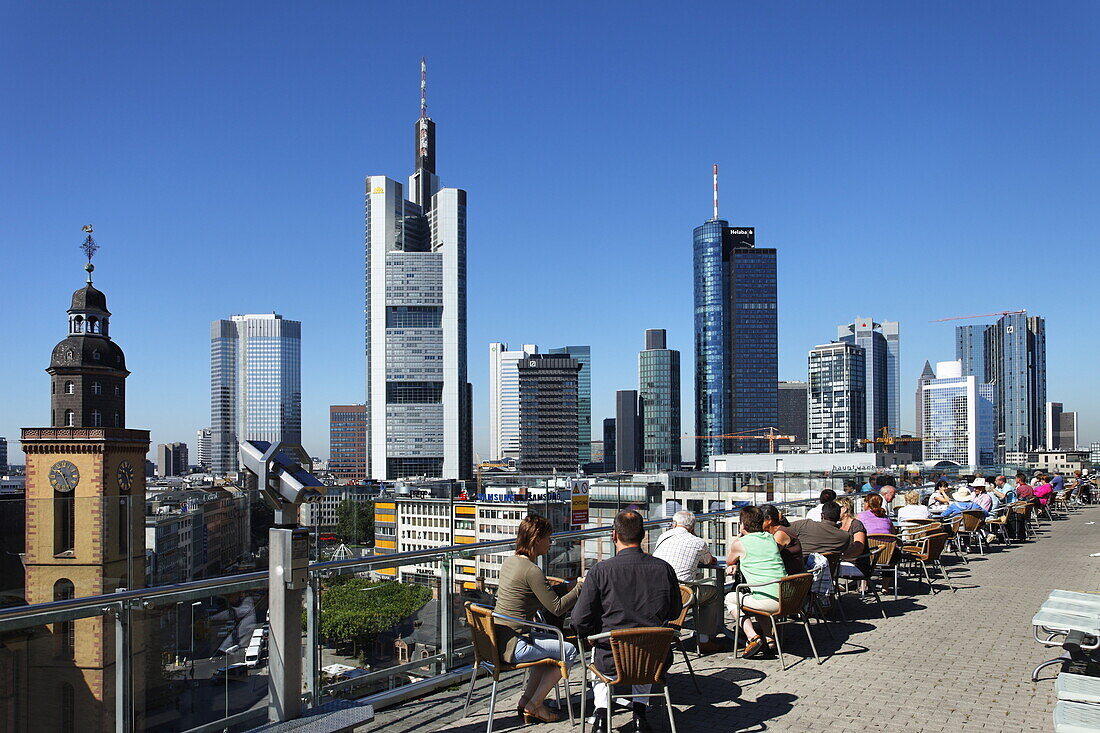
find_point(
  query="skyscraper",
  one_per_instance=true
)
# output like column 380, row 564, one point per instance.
column 926, row 376
column 609, row 439
column 504, row 399
column 203, row 448
column 659, row 403
column 736, row 336
column 1014, row 356
column 583, row 355
column 628, row 432
column 1054, row 425
column 837, row 397
column 958, row 418
column 347, row 430
column 255, row 384
column 793, row 417
column 548, row 413
column 881, row 345
column 172, row 459
column 418, row 397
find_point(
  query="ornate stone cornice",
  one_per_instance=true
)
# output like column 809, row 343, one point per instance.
column 34, row 438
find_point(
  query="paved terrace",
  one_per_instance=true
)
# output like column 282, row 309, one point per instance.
column 945, row 662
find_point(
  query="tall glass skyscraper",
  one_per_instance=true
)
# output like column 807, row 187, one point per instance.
column 837, row 397
column 1014, row 355
column 881, row 345
column 659, row 403
column 255, row 384
column 736, row 337
column 958, row 418
column 418, row 397
column 583, row 355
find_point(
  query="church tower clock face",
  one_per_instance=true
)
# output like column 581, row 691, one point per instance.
column 63, row 476
column 125, row 476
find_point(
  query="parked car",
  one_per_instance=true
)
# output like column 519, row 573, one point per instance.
column 237, row 671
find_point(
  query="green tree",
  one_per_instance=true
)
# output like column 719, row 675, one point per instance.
column 355, row 522
column 356, row 610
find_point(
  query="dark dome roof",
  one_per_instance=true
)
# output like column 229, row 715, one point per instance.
column 88, row 298
column 84, row 349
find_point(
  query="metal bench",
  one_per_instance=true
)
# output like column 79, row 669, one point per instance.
column 1077, row 688
column 1076, row 717
column 336, row 716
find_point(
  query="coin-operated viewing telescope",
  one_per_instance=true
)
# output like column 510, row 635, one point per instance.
column 284, row 476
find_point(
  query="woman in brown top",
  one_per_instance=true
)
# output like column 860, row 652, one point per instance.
column 524, row 591
column 790, row 548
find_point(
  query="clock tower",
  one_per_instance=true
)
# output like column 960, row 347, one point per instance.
column 85, row 536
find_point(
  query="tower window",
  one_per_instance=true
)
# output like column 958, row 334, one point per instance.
column 64, row 522
column 97, row 419
column 118, row 420
column 70, row 388
column 97, row 388
column 95, row 354
column 68, row 707
column 70, row 419
column 118, row 390
column 64, row 635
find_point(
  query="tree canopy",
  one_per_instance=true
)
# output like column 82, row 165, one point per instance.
column 355, row 522
column 358, row 608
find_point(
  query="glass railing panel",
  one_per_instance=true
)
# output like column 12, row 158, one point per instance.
column 207, row 659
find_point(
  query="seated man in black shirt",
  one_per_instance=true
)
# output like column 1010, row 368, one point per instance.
column 628, row 591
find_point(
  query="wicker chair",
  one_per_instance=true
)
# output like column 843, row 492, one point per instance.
column 792, row 591
column 998, row 527
column 687, row 600
column 641, row 658
column 1025, row 510
column 927, row 552
column 487, row 653
column 834, row 559
column 888, row 556
column 866, row 564
column 970, row 526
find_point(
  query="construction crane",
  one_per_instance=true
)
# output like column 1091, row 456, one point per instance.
column 488, row 464
column 889, row 440
column 772, row 435
column 980, row 315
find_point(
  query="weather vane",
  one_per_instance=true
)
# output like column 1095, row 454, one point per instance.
column 89, row 248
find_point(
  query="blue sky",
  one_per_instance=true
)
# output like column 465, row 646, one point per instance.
column 909, row 162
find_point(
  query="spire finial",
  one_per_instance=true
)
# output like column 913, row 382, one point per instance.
column 89, row 246
column 423, row 87
column 716, row 192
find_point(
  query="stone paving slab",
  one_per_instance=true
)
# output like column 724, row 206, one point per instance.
column 952, row 661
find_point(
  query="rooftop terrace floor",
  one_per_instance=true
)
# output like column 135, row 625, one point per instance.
column 952, row 661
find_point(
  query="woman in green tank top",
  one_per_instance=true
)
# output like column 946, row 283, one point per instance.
column 757, row 554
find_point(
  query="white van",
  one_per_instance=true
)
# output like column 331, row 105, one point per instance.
column 253, row 655
column 258, row 639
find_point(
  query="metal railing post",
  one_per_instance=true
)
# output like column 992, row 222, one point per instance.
column 313, row 640
column 446, row 631
column 123, row 722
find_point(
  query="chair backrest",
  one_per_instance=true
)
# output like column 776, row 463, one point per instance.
column 480, row 620
column 1022, row 507
column 916, row 534
column 793, row 590
column 886, row 543
column 834, row 559
column 934, row 546
column 972, row 520
column 641, row 655
column 687, row 596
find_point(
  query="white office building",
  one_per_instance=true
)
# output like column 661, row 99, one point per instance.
column 504, row 438
column 255, row 384
column 417, row 396
column 958, row 418
column 837, row 397
column 203, row 448
column 881, row 344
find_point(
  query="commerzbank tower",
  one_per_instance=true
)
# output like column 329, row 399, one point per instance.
column 417, row 397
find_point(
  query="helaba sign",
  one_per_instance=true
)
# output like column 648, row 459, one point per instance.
column 750, row 230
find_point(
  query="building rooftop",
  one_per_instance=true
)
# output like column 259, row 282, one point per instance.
column 946, row 662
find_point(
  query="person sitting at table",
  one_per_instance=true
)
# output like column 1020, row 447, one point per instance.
column 982, row 497
column 913, row 509
column 824, row 497
column 874, row 517
column 628, row 591
column 887, row 489
column 681, row 548
column 522, row 592
column 849, row 486
column 1044, row 491
column 1004, row 491
column 963, row 502
column 940, row 497
column 824, row 536
column 790, row 549
column 1024, row 490
column 756, row 553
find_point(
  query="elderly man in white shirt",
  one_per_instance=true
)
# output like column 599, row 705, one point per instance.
column 685, row 551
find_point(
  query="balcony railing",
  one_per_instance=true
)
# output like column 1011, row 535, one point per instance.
column 163, row 658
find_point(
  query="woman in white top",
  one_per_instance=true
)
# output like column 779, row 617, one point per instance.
column 913, row 509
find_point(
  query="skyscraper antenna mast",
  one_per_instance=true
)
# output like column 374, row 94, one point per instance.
column 423, row 87
column 716, row 192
